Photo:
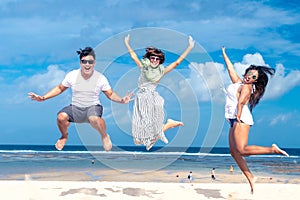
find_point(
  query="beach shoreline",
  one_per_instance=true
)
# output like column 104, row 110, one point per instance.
column 159, row 176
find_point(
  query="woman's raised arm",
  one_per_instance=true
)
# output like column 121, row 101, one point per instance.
column 131, row 52
column 232, row 73
column 173, row 65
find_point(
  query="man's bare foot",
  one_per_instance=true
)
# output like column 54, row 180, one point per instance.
column 172, row 123
column 280, row 151
column 61, row 143
column 107, row 145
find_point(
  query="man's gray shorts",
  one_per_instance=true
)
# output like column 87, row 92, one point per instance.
column 81, row 115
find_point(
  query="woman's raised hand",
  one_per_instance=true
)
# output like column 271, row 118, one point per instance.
column 127, row 39
column 191, row 42
column 223, row 49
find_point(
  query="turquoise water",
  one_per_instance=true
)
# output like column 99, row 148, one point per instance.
column 24, row 159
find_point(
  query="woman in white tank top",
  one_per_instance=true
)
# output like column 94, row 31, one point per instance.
column 241, row 97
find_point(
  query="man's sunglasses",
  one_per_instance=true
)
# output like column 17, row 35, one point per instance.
column 88, row 61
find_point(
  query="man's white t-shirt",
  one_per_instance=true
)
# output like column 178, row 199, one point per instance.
column 85, row 93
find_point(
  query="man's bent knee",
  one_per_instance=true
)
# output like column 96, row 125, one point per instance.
column 61, row 117
column 94, row 120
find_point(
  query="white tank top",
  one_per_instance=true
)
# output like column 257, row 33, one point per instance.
column 231, row 105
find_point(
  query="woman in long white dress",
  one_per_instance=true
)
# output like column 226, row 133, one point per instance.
column 148, row 117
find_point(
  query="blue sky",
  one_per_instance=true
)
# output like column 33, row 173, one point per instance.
column 39, row 40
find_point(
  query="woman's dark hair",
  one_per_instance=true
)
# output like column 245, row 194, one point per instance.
column 88, row 51
column 260, row 83
column 152, row 51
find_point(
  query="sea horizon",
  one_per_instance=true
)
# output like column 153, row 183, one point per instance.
column 31, row 159
column 129, row 148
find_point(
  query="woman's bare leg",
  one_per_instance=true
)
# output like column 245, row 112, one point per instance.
column 241, row 135
column 238, row 138
column 171, row 124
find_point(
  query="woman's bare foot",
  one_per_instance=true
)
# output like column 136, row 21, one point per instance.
column 150, row 145
column 61, row 143
column 164, row 139
column 172, row 123
column 107, row 145
column 279, row 151
column 252, row 184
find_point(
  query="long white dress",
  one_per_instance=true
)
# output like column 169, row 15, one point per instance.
column 148, row 115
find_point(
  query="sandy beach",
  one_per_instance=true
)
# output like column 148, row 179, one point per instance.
column 38, row 173
column 142, row 190
column 114, row 184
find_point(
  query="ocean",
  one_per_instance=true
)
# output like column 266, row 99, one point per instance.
column 26, row 159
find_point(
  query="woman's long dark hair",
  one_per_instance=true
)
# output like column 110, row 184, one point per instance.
column 260, row 83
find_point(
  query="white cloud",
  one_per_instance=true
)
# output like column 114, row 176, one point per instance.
column 255, row 59
column 281, row 118
column 254, row 24
column 46, row 81
column 282, row 82
column 279, row 84
column 16, row 92
column 207, row 79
